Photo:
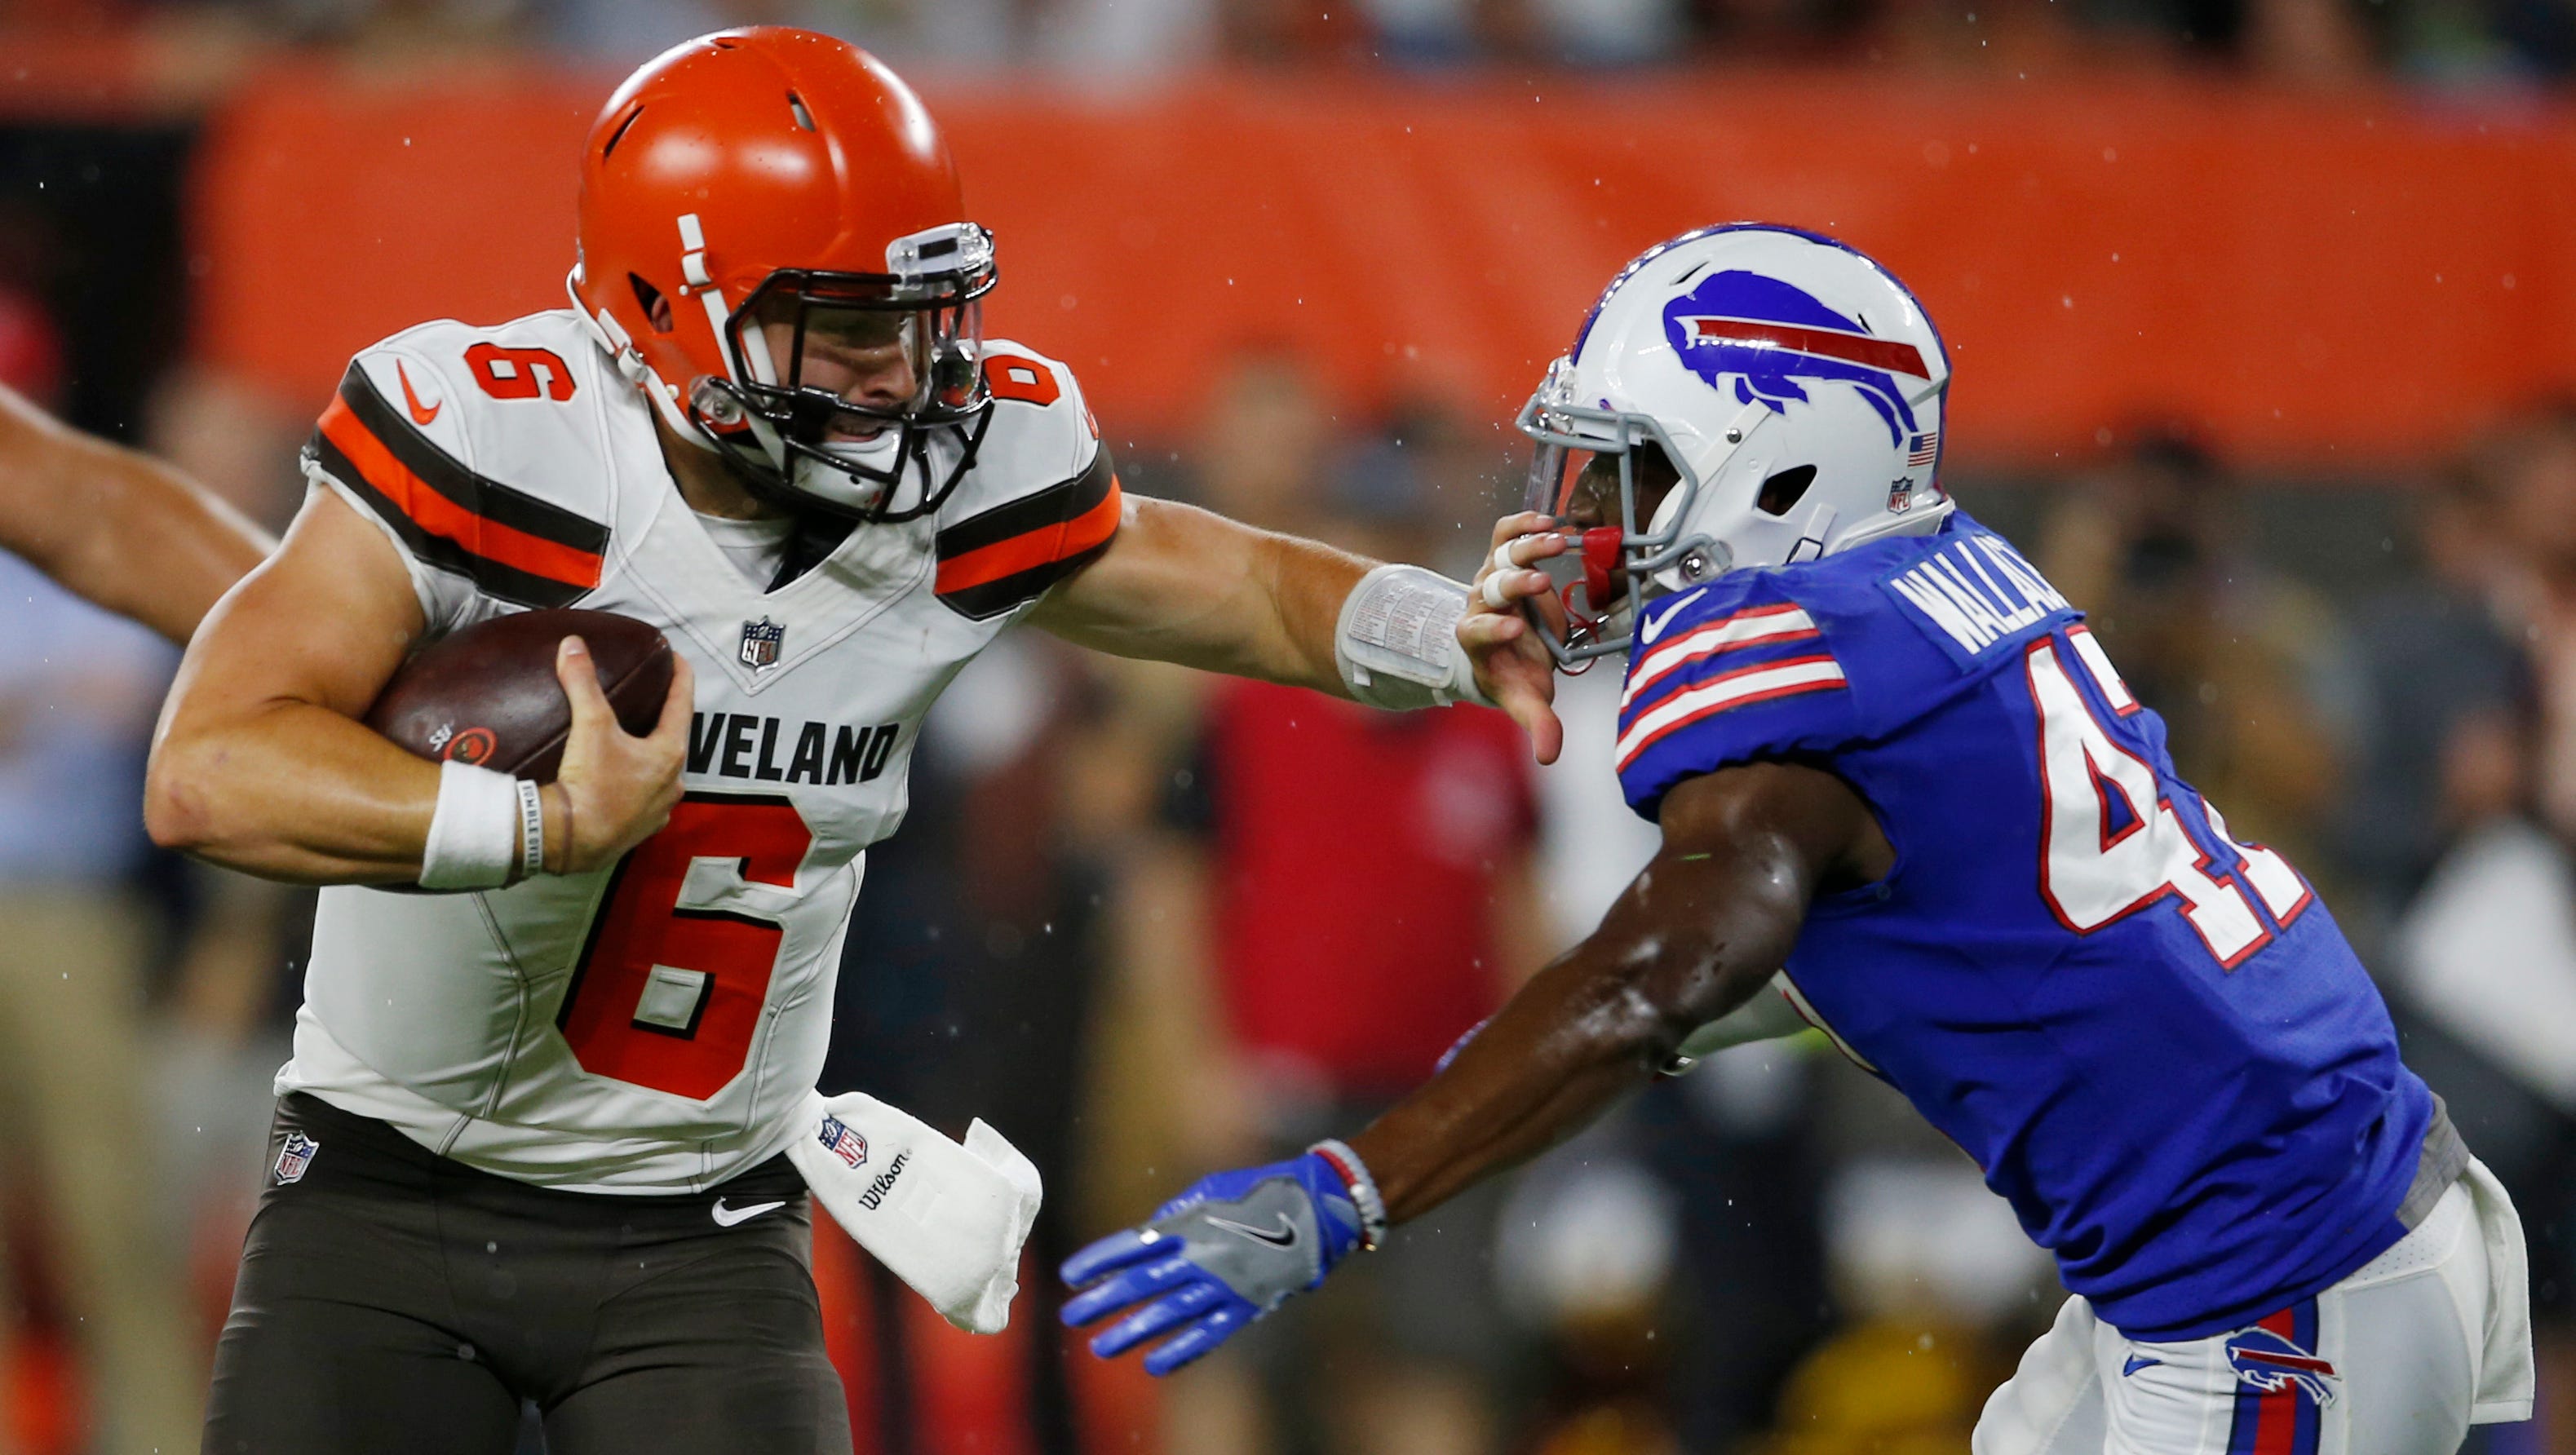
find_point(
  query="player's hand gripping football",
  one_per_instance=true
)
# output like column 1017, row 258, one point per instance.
column 1224, row 1253
column 1512, row 664
column 615, row 790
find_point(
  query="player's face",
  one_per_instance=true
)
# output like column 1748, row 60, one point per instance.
column 1594, row 500
column 868, row 357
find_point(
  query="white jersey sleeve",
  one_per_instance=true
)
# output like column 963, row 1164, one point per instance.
column 1042, row 501
column 470, row 448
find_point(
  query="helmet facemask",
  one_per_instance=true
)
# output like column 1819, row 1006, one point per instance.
column 1741, row 497
column 806, row 445
column 1656, row 552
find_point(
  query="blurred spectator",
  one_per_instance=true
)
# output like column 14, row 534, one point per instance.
column 2249, row 668
column 31, row 355
column 78, row 691
column 2312, row 43
column 2485, row 957
column 1105, row 41
column 965, row 991
column 2535, row 468
column 2307, row 43
column 234, row 970
column 2437, row 746
column 1364, row 900
column 1587, row 1258
column 1934, row 1283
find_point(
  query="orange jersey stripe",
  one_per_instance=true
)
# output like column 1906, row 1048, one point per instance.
column 441, row 516
column 1032, row 549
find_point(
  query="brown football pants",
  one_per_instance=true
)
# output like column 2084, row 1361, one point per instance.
column 400, row 1303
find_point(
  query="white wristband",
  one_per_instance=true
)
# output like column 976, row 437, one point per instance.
column 1364, row 1194
column 474, row 833
column 532, row 829
column 1396, row 641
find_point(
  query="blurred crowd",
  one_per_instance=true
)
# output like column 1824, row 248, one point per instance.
column 2309, row 42
column 1151, row 924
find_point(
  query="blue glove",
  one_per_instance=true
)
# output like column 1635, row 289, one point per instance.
column 1223, row 1254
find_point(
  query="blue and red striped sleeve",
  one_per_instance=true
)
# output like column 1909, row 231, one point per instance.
column 1722, row 677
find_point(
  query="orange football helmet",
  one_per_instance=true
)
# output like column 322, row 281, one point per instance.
column 752, row 187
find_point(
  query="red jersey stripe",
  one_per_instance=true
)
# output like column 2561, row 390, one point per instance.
column 440, row 516
column 1032, row 549
column 1760, row 625
column 1726, row 692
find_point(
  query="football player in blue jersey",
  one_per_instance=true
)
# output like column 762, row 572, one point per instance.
column 1905, row 797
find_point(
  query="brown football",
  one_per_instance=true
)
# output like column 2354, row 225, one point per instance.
column 487, row 695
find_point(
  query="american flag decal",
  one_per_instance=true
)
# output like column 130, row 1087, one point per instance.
column 1924, row 448
column 841, row 1142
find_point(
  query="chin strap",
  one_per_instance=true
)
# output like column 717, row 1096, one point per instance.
column 613, row 341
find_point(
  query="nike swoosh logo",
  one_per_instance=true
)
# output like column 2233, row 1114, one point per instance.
column 1285, row 1237
column 420, row 413
column 2136, row 1363
column 1653, row 626
column 728, row 1216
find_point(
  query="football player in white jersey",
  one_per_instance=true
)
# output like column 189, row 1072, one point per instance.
column 529, row 1145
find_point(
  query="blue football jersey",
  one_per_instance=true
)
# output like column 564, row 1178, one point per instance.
column 2150, row 1035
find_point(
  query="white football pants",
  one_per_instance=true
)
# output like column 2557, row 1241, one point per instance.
column 2425, row 1340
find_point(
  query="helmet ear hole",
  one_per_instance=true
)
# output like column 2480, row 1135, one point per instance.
column 1781, row 492
column 656, row 308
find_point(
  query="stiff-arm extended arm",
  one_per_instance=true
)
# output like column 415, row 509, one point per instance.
column 1698, row 934
column 1179, row 584
column 1746, row 850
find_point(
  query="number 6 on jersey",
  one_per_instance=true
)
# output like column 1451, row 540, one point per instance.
column 669, row 998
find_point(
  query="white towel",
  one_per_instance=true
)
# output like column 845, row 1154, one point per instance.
column 948, row 1219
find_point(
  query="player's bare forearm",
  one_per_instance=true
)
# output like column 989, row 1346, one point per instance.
column 1179, row 584
column 116, row 526
column 1698, row 933
column 296, row 793
column 259, row 763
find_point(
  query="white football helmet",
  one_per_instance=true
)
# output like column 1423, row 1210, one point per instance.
column 1793, row 385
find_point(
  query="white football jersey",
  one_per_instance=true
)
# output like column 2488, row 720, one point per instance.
column 650, row 1027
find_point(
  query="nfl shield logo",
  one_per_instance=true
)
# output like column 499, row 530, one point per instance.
column 841, row 1142
column 294, row 1157
column 760, row 642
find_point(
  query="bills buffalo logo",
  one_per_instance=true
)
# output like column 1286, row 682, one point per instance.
column 760, row 643
column 475, row 745
column 841, row 1142
column 295, row 1156
column 2268, row 1363
column 1770, row 336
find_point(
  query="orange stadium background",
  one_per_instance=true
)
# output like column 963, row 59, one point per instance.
column 2332, row 283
